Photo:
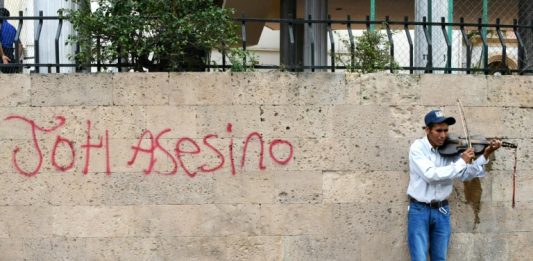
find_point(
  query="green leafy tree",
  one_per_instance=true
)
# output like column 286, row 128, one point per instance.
column 371, row 53
column 159, row 35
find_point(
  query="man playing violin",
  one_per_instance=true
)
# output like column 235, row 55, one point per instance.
column 430, row 184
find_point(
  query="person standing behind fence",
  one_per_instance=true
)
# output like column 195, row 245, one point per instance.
column 7, row 35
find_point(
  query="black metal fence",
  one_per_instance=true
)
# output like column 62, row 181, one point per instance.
column 467, row 31
column 393, row 30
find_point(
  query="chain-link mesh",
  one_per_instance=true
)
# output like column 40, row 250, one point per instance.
column 489, row 11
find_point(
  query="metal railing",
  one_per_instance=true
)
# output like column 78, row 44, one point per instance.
column 468, row 32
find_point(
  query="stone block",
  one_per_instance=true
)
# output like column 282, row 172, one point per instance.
column 254, row 248
column 322, row 247
column 353, row 89
column 307, row 121
column 15, row 91
column 502, row 188
column 504, row 219
column 19, row 190
column 141, row 88
column 126, row 248
column 202, row 88
column 439, row 90
column 248, row 187
column 387, row 89
column 405, row 121
column 274, row 88
column 11, row 249
column 25, row 222
column 296, row 219
column 322, row 88
column 127, row 122
column 214, row 119
column 461, row 246
column 155, row 189
column 520, row 245
column 94, row 221
column 517, row 122
column 512, row 90
column 366, row 187
column 491, row 246
column 6, row 157
column 182, row 120
column 75, row 189
column 368, row 219
column 391, row 245
column 75, row 89
column 360, row 121
column 197, row 220
column 298, row 187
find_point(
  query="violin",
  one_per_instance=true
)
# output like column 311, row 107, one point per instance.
column 454, row 145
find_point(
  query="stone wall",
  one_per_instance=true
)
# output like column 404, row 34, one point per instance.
column 249, row 166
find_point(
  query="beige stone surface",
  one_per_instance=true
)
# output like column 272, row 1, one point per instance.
column 511, row 91
column 71, row 89
column 366, row 187
column 141, row 89
column 340, row 197
column 286, row 219
column 26, row 222
column 439, row 90
column 15, row 91
column 254, row 248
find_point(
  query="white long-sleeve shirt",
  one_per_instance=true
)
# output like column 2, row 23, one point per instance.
column 431, row 175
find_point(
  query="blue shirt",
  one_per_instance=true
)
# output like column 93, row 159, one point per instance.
column 8, row 35
column 431, row 174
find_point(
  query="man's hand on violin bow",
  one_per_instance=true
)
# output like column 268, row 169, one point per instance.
column 493, row 146
column 468, row 155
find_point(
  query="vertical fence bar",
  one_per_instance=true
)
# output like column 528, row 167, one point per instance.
column 372, row 14
column 352, row 43
column 98, row 54
column 485, row 51
column 332, row 42
column 243, row 30
column 223, row 56
column 448, row 45
column 291, row 47
column 36, row 41
column 368, row 23
column 521, row 48
column 311, row 37
column 391, row 42
column 429, row 64
column 58, row 34
column 468, row 46
column 504, row 46
column 410, row 40
column 17, row 40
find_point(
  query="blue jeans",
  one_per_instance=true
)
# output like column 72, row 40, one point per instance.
column 428, row 229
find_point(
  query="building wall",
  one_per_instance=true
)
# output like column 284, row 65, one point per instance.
column 101, row 178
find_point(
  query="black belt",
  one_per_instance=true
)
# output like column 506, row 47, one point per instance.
column 433, row 204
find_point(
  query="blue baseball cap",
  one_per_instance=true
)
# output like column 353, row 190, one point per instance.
column 437, row 116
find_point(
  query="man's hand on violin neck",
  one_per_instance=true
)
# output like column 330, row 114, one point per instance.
column 494, row 144
column 468, row 155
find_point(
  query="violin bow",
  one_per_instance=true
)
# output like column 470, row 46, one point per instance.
column 463, row 120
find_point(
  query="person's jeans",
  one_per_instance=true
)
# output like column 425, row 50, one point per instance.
column 428, row 229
